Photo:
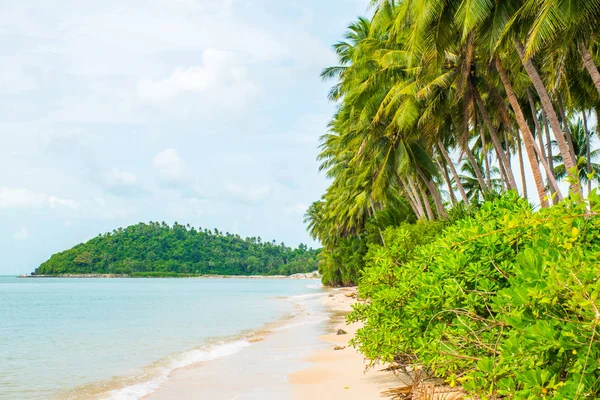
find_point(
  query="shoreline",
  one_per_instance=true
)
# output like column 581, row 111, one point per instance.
column 292, row 357
column 260, row 370
column 341, row 373
column 300, row 276
column 208, row 368
column 296, row 360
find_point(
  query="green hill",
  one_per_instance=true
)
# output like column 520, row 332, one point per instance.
column 157, row 249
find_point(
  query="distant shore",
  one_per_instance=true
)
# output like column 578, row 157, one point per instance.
column 310, row 275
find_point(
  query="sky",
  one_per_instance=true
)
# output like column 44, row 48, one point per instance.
column 205, row 112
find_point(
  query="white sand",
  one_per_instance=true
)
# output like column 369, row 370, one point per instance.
column 340, row 374
column 287, row 364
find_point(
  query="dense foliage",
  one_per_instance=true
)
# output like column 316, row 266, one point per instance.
column 342, row 259
column 440, row 103
column 504, row 302
column 159, row 250
column 443, row 105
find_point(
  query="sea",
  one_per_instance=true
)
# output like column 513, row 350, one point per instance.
column 125, row 339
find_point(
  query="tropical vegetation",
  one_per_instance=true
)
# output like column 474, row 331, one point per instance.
column 504, row 303
column 462, row 159
column 159, row 250
column 444, row 103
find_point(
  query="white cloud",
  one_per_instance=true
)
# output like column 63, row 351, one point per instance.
column 221, row 80
column 25, row 198
column 87, row 85
column 168, row 166
column 22, row 234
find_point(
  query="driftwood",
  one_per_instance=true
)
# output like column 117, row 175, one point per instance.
column 419, row 385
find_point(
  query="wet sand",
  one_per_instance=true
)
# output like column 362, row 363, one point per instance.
column 293, row 361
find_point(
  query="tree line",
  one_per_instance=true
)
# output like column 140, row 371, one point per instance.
column 157, row 249
column 442, row 104
column 467, row 274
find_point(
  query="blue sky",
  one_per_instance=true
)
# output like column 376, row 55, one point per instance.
column 205, row 112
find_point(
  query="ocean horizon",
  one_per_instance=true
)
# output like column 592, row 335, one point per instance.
column 121, row 338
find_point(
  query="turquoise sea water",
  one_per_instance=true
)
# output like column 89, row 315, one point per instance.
column 80, row 338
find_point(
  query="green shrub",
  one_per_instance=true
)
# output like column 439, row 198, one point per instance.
column 342, row 264
column 504, row 302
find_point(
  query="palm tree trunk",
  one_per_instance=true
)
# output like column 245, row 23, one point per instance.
column 549, row 140
column 588, row 62
column 538, row 129
column 527, row 136
column 435, row 193
column 488, row 171
column 412, row 204
column 507, row 145
column 416, row 198
column 588, row 156
column 465, row 146
column 450, row 164
column 522, row 167
column 437, row 198
column 550, row 112
column 405, row 190
column 566, row 128
column 426, row 202
column 557, row 193
column 448, row 182
column 476, row 168
column 502, row 158
column 504, row 178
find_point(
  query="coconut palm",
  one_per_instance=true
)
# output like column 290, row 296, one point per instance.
column 475, row 192
column 588, row 172
column 425, row 85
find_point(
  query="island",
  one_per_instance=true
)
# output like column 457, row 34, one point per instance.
column 159, row 250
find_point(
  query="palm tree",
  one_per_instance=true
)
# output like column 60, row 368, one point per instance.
column 424, row 81
column 475, row 192
column 586, row 167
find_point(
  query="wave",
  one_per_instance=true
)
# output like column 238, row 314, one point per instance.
column 144, row 388
column 305, row 296
column 156, row 374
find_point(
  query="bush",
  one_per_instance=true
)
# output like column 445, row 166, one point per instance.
column 342, row 264
column 504, row 302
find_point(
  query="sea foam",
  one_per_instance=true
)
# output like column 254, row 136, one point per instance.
column 192, row 357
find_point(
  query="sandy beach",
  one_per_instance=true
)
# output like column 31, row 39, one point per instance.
column 340, row 374
column 293, row 361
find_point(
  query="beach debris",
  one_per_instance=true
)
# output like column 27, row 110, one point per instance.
column 341, row 332
column 331, row 295
column 346, row 387
column 352, row 294
column 417, row 384
column 255, row 339
column 339, row 347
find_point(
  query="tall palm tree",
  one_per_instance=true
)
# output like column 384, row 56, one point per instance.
column 581, row 141
column 475, row 192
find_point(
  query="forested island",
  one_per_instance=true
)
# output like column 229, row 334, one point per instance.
column 157, row 249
